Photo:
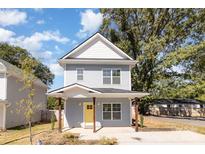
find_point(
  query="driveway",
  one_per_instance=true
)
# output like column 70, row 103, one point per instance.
column 127, row 135
column 193, row 122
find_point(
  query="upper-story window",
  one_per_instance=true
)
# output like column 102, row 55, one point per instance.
column 106, row 76
column 116, row 76
column 80, row 74
column 111, row 76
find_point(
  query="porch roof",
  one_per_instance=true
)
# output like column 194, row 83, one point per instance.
column 78, row 91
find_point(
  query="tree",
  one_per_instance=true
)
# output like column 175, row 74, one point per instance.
column 190, row 82
column 51, row 103
column 15, row 55
column 26, row 105
column 149, row 36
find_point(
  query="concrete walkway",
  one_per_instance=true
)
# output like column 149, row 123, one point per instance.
column 127, row 135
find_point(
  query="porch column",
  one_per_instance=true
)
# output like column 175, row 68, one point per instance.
column 94, row 119
column 59, row 116
column 136, row 113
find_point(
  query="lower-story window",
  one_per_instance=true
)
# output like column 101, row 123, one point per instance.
column 112, row 111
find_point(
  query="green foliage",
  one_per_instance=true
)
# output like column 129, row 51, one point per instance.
column 141, row 121
column 144, row 105
column 52, row 103
column 26, row 105
column 15, row 55
column 159, row 40
column 53, row 120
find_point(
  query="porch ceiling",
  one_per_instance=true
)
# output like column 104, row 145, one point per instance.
column 80, row 91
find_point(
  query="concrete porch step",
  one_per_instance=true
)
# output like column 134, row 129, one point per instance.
column 88, row 125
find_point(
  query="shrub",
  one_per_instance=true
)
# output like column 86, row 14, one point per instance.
column 107, row 141
column 53, row 119
column 141, row 121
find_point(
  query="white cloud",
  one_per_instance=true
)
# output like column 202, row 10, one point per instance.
column 40, row 22
column 34, row 44
column 46, row 54
column 35, row 41
column 5, row 35
column 56, row 69
column 90, row 22
column 12, row 17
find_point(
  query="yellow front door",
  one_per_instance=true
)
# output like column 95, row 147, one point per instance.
column 88, row 112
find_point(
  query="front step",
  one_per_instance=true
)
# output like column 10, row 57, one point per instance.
column 88, row 125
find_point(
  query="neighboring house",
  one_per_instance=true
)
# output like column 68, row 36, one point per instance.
column 97, row 85
column 11, row 93
column 178, row 107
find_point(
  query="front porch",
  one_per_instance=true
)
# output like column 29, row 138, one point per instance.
column 97, row 107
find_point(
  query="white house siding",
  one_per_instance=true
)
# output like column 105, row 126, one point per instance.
column 74, row 112
column 13, row 118
column 2, row 86
column 97, row 49
column 93, row 76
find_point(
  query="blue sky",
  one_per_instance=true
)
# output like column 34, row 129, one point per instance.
column 48, row 34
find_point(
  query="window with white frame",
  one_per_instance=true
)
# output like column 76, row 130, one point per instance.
column 116, row 76
column 112, row 111
column 111, row 76
column 79, row 74
column 106, row 76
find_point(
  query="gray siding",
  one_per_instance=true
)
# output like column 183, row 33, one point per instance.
column 74, row 112
column 93, row 76
column 14, row 118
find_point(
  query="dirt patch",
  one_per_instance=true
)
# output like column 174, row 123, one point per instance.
column 55, row 138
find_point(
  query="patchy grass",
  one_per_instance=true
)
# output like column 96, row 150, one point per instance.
column 156, row 125
column 66, row 138
column 20, row 135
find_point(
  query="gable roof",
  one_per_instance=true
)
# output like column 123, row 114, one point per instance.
column 12, row 70
column 92, row 39
column 62, row 89
column 96, row 92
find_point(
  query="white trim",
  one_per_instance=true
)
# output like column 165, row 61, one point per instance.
column 72, row 86
column 93, row 38
column 112, row 76
column 97, row 61
column 112, row 111
column 118, row 95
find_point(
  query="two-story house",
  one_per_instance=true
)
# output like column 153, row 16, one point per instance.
column 11, row 93
column 97, row 85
